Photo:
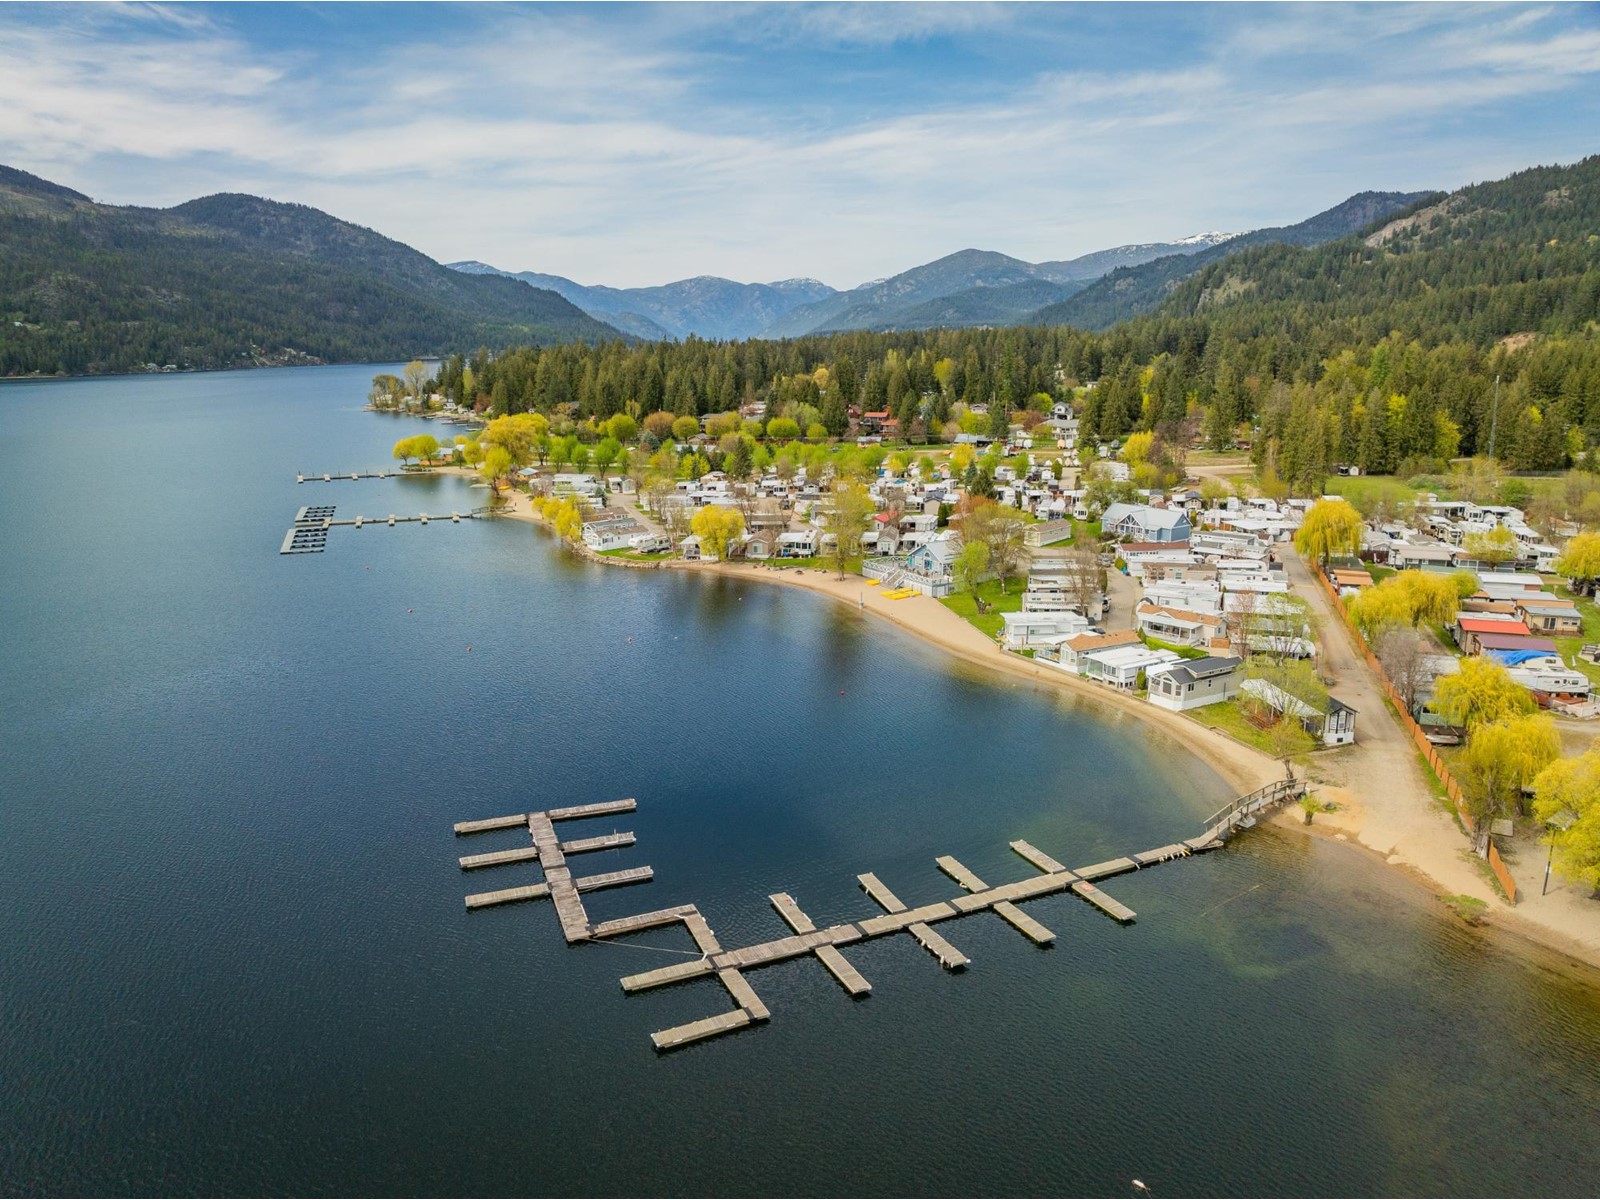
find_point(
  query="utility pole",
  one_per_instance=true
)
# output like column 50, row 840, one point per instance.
column 1494, row 415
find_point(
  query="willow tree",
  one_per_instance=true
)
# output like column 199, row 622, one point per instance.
column 1579, row 563
column 716, row 527
column 1566, row 798
column 1503, row 757
column 1411, row 598
column 1480, row 693
column 1331, row 527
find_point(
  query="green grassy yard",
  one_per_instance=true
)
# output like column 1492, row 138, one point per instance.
column 965, row 607
column 1568, row 647
column 1228, row 717
column 1180, row 651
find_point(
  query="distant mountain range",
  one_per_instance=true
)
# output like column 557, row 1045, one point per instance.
column 706, row 306
column 234, row 280
column 968, row 288
column 971, row 287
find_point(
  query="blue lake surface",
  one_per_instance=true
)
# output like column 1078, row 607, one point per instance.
column 234, row 957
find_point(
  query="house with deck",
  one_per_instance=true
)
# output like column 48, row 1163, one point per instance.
column 1194, row 683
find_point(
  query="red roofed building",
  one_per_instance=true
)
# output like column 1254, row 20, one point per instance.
column 1471, row 630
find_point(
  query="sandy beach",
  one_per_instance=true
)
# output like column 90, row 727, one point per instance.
column 1385, row 805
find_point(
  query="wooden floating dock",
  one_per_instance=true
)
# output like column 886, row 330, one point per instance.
column 610, row 841
column 325, row 477
column 1038, row 858
column 662, row 976
column 1112, row 908
column 515, row 820
column 949, row 957
column 841, row 970
column 682, row 1035
column 392, row 520
column 727, row 966
column 309, row 532
column 537, row 891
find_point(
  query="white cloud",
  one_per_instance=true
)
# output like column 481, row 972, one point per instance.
column 548, row 140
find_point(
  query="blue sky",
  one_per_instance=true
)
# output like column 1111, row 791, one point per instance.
column 637, row 144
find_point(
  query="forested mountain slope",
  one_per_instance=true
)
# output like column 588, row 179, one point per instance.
column 1130, row 291
column 1381, row 349
column 233, row 280
column 1519, row 255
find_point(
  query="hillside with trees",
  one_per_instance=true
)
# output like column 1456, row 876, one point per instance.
column 231, row 280
column 1380, row 350
column 1139, row 288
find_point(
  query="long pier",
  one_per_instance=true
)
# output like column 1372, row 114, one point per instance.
column 309, row 533
column 331, row 476
column 728, row 966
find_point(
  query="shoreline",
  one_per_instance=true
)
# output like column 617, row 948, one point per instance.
column 1241, row 767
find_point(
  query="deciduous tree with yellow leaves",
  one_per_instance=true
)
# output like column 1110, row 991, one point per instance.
column 1411, row 598
column 716, row 527
column 1566, row 797
column 1480, row 693
column 1579, row 563
column 1502, row 757
column 1331, row 527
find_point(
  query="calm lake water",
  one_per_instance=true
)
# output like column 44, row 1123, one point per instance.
column 234, row 957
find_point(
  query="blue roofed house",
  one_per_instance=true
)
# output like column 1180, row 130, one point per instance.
column 937, row 556
column 1145, row 522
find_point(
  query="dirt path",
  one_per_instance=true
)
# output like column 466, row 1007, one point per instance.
column 1389, row 806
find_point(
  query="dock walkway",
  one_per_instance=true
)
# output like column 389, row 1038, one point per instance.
column 312, row 524
column 728, row 967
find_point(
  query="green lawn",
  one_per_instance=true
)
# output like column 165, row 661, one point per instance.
column 1568, row 647
column 852, row 566
column 1228, row 717
column 1180, row 651
column 963, row 605
column 1362, row 489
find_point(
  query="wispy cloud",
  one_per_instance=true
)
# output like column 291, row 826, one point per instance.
column 631, row 146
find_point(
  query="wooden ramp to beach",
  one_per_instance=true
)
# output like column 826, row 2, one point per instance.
column 710, row 960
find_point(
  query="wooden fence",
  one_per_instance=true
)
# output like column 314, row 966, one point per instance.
column 1429, row 754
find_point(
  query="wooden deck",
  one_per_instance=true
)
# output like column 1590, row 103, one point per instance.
column 728, row 966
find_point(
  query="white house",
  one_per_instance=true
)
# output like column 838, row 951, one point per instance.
column 1179, row 626
column 800, row 543
column 1194, row 683
column 1428, row 556
column 1120, row 666
column 1023, row 630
